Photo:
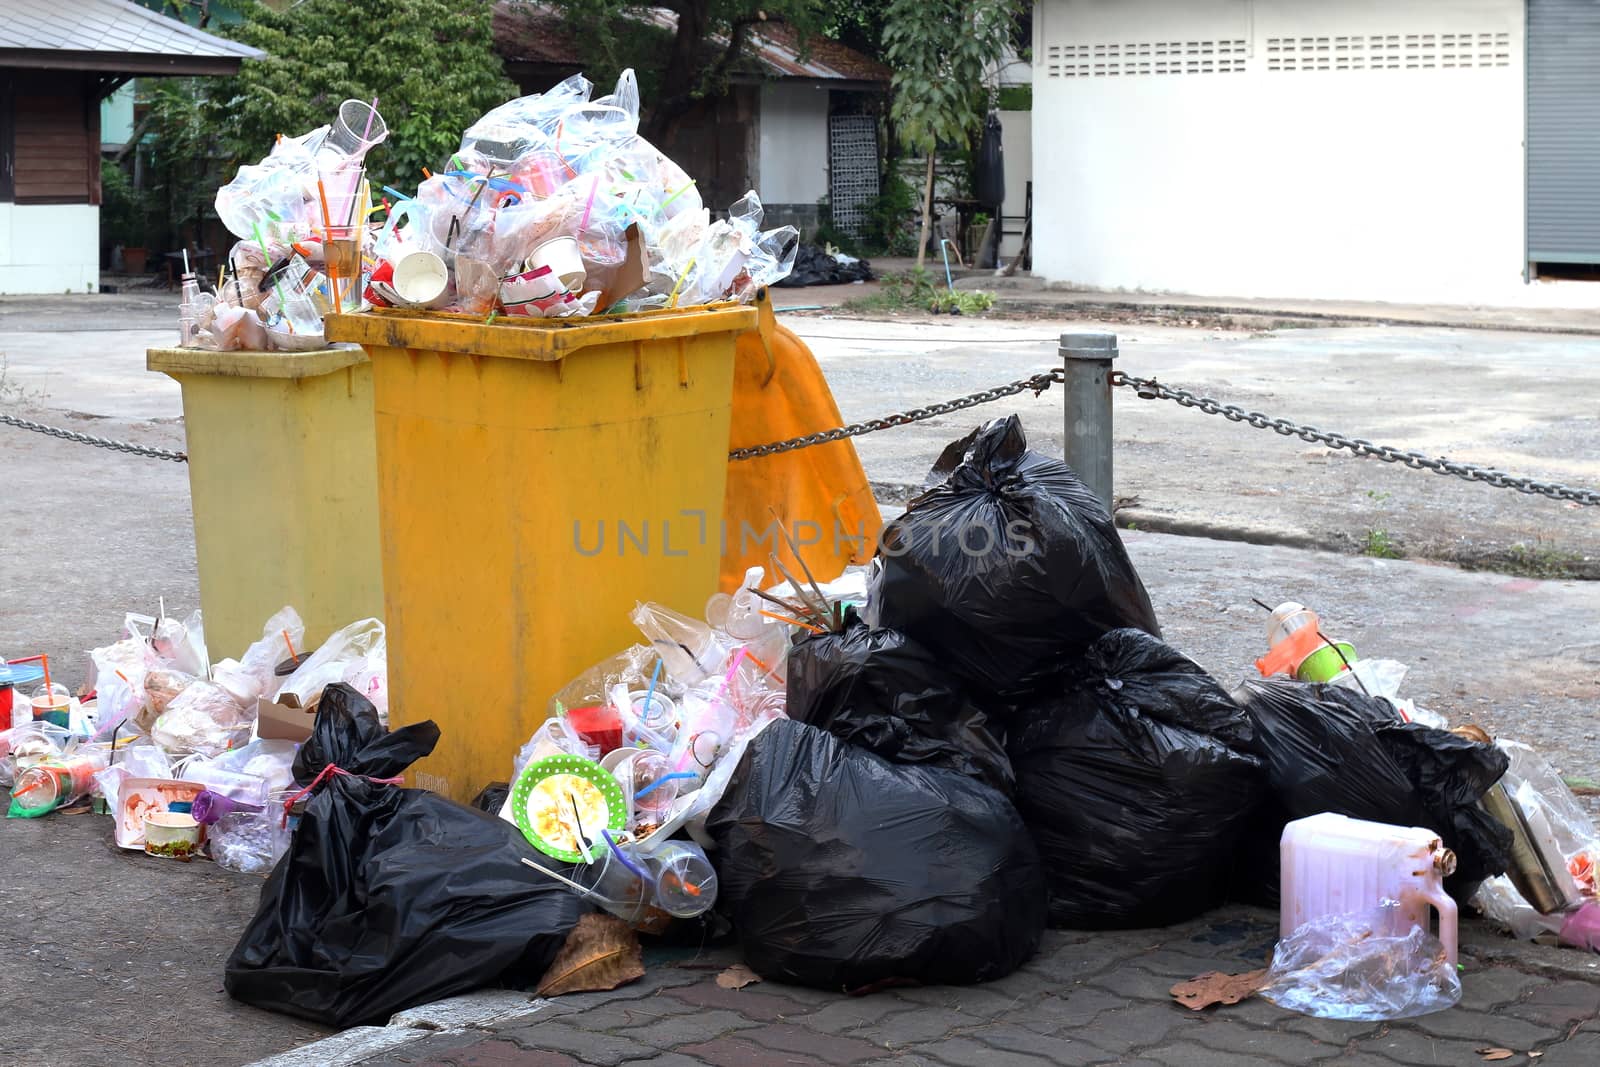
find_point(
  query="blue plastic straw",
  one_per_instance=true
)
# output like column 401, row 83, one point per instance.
column 623, row 856
column 651, row 788
column 648, row 697
column 397, row 194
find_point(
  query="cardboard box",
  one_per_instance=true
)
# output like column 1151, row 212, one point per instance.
column 279, row 722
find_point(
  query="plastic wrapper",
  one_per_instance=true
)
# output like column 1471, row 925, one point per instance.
column 249, row 842
column 1497, row 898
column 879, row 691
column 689, row 649
column 162, row 685
column 270, row 760
column 204, row 719
column 1327, row 748
column 390, row 897
column 1008, row 567
column 841, row 870
column 253, row 676
column 347, row 652
column 1361, row 968
column 1135, row 778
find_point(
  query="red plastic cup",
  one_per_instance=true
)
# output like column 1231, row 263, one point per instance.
column 598, row 725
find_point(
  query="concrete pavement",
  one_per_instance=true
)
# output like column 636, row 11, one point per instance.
column 93, row 534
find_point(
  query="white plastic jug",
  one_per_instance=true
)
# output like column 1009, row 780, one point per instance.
column 1335, row 865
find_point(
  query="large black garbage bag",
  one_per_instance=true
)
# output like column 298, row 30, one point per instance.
column 879, row 690
column 1008, row 567
column 814, row 266
column 1328, row 748
column 1135, row 780
column 391, row 897
column 841, row 870
column 347, row 733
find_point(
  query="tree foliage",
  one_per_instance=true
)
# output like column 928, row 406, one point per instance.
column 430, row 63
column 941, row 52
column 682, row 67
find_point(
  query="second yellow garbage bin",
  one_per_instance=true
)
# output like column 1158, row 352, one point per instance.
column 283, row 486
column 535, row 478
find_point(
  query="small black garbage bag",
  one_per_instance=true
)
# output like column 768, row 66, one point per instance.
column 881, row 691
column 841, row 870
column 1135, row 779
column 1007, row 567
column 392, row 897
column 1328, row 748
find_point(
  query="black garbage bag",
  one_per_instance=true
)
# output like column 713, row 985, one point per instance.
column 391, row 897
column 879, row 690
column 1135, row 780
column 814, row 266
column 1007, row 568
column 1328, row 748
column 841, row 870
column 348, row 733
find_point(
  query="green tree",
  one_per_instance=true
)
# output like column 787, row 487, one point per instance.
column 430, row 63
column 941, row 52
column 681, row 67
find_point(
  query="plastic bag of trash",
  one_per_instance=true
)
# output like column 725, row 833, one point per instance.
column 204, row 718
column 1007, row 567
column 254, row 674
column 1134, row 777
column 344, row 654
column 841, row 870
column 1366, row 967
column 880, row 691
column 1330, row 749
column 391, row 897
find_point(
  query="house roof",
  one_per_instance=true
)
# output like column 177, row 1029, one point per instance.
column 116, row 36
column 534, row 34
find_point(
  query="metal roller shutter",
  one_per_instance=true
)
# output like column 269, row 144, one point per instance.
column 1564, row 131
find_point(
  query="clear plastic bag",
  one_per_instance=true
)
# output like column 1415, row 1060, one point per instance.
column 1363, row 968
column 270, row 760
column 254, row 675
column 249, row 842
column 347, row 653
column 688, row 648
column 204, row 718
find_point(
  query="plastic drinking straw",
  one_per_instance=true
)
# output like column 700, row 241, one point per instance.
column 455, row 161
column 580, row 889
column 577, row 821
column 623, row 856
column 655, row 676
column 651, row 788
column 672, row 302
column 426, row 173
column 794, row 622
column 583, row 224
column 372, row 113
column 679, row 193
column 327, row 238
column 397, row 194
column 186, row 261
column 292, row 652
column 277, row 283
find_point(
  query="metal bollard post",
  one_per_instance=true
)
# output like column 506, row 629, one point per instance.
column 1087, row 357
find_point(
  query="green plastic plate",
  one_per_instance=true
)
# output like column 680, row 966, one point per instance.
column 527, row 794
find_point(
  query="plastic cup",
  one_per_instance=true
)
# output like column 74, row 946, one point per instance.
column 613, row 886
column 171, row 835
column 1324, row 665
column 685, row 883
column 598, row 725
column 341, row 250
column 54, row 706
column 357, row 128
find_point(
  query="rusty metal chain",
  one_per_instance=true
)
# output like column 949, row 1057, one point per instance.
column 1036, row 384
column 1150, row 389
column 98, row 442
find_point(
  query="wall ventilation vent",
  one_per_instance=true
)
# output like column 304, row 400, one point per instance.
column 1151, row 57
column 1392, row 51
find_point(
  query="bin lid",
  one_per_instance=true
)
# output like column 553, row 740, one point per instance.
column 20, row 673
column 515, row 337
column 292, row 365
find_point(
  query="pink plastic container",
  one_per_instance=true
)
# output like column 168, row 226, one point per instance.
column 1336, row 865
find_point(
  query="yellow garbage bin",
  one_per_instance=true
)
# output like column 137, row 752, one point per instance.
column 283, row 484
column 536, row 478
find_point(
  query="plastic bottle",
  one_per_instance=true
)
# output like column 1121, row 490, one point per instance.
column 188, row 312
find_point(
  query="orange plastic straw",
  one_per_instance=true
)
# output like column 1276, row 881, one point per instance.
column 327, row 239
column 794, row 622
column 292, row 652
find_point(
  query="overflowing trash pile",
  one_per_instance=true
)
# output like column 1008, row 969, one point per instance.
column 553, row 207
column 903, row 775
column 189, row 757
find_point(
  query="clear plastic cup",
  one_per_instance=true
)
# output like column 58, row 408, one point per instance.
column 685, row 882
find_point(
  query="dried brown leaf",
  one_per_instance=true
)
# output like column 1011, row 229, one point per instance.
column 737, row 977
column 1491, row 1052
column 1214, row 987
column 602, row 952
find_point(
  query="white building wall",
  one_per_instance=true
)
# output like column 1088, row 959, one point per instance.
column 1354, row 149
column 794, row 144
column 49, row 248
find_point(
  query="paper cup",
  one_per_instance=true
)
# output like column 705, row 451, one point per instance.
column 565, row 260
column 420, row 279
column 521, row 293
column 172, row 835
